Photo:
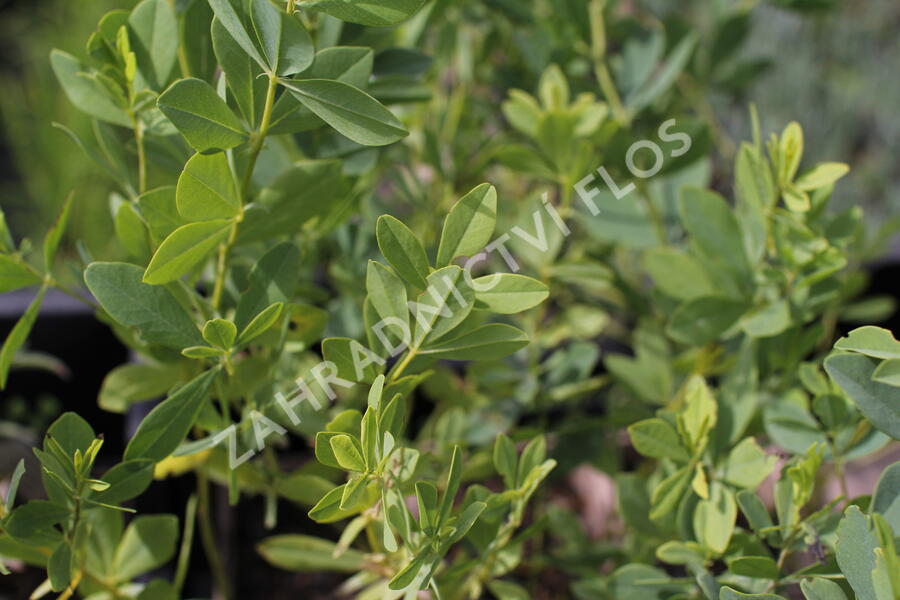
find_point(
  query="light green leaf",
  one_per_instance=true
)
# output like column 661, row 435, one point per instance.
column 886, row 499
column 871, row 341
column 348, row 354
column 402, row 250
column 760, row 567
column 153, row 310
column 261, row 323
column 201, row 116
column 508, row 293
column 677, row 274
column 820, row 176
column 488, row 342
column 148, row 543
column 170, row 421
column 714, row 519
column 303, row 553
column 220, row 333
column 86, row 92
column 206, row 189
column 657, row 439
column 372, row 13
column 445, row 303
column 18, row 335
column 202, row 352
column 877, row 401
column 506, row 460
column 159, row 208
column 469, row 225
column 352, row 112
column 790, row 152
column 748, row 465
column 387, row 294
column 888, row 372
column 14, row 275
column 185, row 249
column 347, row 453
column 727, row 593
column 819, row 588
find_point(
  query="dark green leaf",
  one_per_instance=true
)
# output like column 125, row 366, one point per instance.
column 201, row 116
column 18, row 335
column 380, row 13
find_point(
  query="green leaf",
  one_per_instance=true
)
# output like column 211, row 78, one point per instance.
column 855, row 552
column 790, row 152
column 702, row 320
column 168, row 423
column 158, row 589
column 760, row 567
column 160, row 211
column 242, row 74
column 469, row 225
column 506, row 460
column 427, row 498
column 402, row 250
column 350, row 111
column 303, row 553
column 657, row 439
column 285, row 43
column 201, row 116
column 372, row 13
column 727, row 593
column 86, row 92
column 348, row 355
column 132, row 232
column 715, row 233
column 33, row 522
column 127, row 480
column 207, row 190
column 888, row 372
column 261, row 323
column 328, row 509
column 59, row 567
column 18, row 335
column 871, row 341
column 220, row 333
column 54, row 236
column 819, row 588
column 185, row 249
column 273, row 279
column 821, row 176
column 153, row 310
column 748, row 465
column 14, row 275
column 886, row 499
column 127, row 384
column 14, row 481
column 445, row 304
column 148, row 543
column 347, row 452
column 72, row 433
column 488, row 342
column 230, row 14
column 387, row 294
column 877, row 401
column 154, row 40
column 668, row 494
column 507, row 293
column 714, row 519
column 349, row 64
column 677, row 274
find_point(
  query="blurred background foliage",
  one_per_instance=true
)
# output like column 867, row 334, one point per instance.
column 836, row 74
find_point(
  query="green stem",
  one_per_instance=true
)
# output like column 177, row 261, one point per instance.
column 401, row 366
column 598, row 56
column 142, row 155
column 187, row 542
column 208, row 537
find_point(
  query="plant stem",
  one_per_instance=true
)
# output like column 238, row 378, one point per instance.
column 401, row 366
column 142, row 155
column 187, row 542
column 598, row 56
column 208, row 536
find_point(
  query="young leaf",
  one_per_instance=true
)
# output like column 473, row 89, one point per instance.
column 261, row 323
column 85, row 92
column 220, row 333
column 347, row 452
column 153, row 310
column 186, row 248
column 169, row 422
column 469, row 225
column 54, row 236
column 207, row 190
column 201, row 116
column 714, row 519
column 507, row 293
column 18, row 335
column 352, row 112
column 402, row 250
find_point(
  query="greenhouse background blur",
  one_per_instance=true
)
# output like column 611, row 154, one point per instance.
column 837, row 75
